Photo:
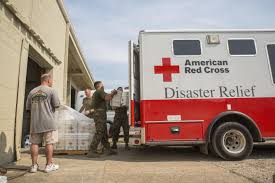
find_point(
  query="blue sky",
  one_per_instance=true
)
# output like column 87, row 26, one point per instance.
column 103, row 27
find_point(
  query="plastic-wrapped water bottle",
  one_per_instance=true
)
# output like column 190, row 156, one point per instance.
column 3, row 179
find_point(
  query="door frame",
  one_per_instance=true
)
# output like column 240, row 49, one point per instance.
column 22, row 73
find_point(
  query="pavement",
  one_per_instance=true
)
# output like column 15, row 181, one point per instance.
column 156, row 165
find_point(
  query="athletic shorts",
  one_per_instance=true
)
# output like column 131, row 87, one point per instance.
column 48, row 137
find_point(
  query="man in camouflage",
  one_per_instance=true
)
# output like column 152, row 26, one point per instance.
column 86, row 104
column 88, row 111
column 100, row 117
column 120, row 120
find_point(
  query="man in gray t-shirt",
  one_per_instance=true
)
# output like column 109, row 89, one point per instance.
column 41, row 103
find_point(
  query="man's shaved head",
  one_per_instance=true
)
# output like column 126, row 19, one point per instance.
column 46, row 79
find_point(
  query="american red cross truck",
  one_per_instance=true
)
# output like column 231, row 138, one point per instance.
column 209, row 88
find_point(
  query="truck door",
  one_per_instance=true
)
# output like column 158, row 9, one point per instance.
column 134, row 85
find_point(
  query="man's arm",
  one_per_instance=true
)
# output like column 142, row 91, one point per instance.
column 82, row 107
column 55, row 100
column 109, row 97
column 28, row 103
column 28, row 106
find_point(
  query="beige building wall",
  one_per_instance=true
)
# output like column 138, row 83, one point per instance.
column 38, row 30
column 47, row 21
column 10, row 55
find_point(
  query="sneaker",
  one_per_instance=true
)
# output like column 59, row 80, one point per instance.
column 51, row 167
column 34, row 168
column 114, row 146
column 92, row 154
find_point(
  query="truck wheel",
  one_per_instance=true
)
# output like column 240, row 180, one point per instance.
column 232, row 141
column 212, row 151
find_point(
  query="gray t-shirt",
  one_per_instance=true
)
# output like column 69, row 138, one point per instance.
column 41, row 102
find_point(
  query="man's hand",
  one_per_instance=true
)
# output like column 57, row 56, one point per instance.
column 89, row 112
column 114, row 92
column 109, row 97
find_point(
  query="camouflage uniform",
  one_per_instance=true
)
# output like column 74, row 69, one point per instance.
column 86, row 105
column 100, row 118
column 101, row 135
column 121, row 120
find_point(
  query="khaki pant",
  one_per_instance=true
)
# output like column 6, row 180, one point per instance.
column 48, row 137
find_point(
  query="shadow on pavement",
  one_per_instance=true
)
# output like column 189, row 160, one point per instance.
column 157, row 154
column 263, row 151
column 150, row 154
column 162, row 154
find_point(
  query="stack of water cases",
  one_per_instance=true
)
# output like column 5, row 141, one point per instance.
column 75, row 130
column 120, row 99
column 116, row 101
column 125, row 99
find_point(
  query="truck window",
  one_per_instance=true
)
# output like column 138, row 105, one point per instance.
column 271, row 56
column 241, row 47
column 187, row 47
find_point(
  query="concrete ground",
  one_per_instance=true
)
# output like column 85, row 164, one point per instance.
column 156, row 165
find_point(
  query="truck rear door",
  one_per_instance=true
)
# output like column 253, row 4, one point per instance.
column 134, row 84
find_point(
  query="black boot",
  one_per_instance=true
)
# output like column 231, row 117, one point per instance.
column 100, row 151
column 127, row 146
column 92, row 154
column 110, row 152
column 114, row 146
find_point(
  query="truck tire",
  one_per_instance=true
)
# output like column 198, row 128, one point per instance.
column 212, row 151
column 232, row 141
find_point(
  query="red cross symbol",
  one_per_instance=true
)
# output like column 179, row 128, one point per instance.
column 167, row 69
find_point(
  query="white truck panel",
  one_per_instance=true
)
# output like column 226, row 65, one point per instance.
column 245, row 72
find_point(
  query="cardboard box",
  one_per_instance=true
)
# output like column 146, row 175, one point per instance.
column 120, row 99
column 71, row 126
column 84, row 127
column 116, row 101
column 83, row 145
column 70, row 144
column 60, row 145
column 83, row 141
column 70, row 141
column 125, row 99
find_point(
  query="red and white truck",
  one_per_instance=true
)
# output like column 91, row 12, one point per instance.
column 214, row 89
